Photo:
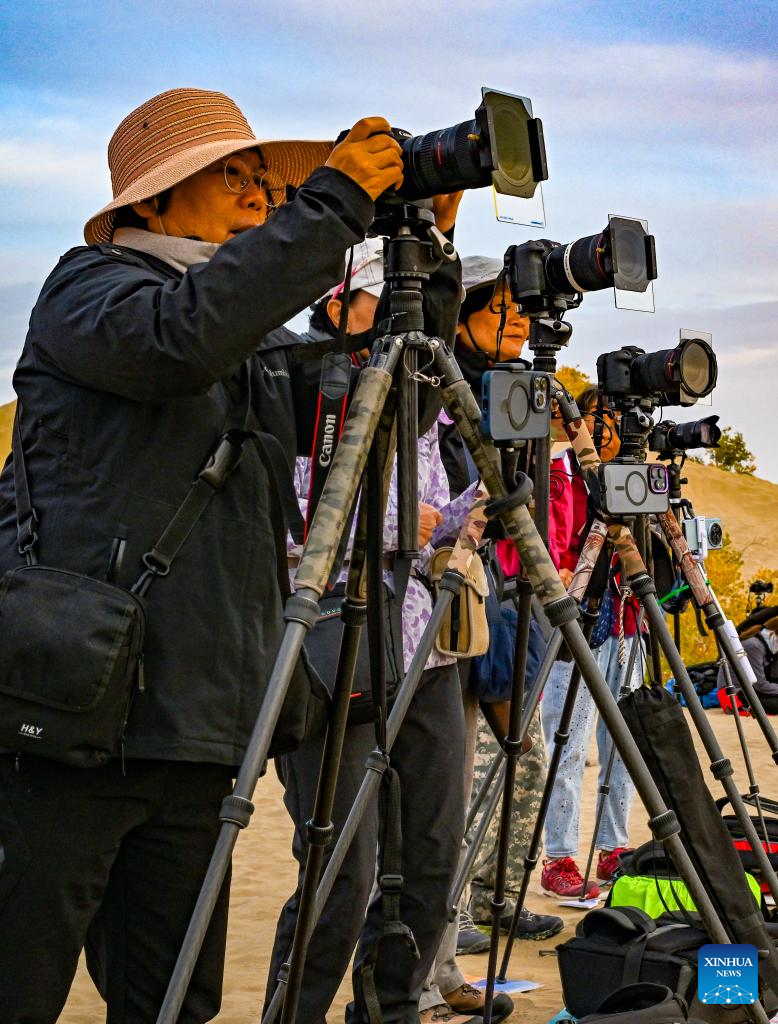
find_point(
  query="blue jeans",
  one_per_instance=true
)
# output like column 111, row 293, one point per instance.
column 561, row 830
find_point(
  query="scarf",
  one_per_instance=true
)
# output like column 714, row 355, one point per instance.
column 180, row 253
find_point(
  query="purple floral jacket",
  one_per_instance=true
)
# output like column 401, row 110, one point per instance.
column 434, row 490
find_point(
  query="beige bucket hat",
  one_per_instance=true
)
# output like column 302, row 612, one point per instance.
column 179, row 132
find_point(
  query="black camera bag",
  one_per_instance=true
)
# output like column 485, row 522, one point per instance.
column 618, row 946
column 640, row 1004
column 742, row 845
column 322, row 645
column 71, row 647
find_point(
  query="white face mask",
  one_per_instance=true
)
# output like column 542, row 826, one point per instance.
column 771, row 639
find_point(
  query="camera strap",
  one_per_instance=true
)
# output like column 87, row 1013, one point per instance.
column 331, row 409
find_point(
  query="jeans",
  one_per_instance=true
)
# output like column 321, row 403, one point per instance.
column 561, row 830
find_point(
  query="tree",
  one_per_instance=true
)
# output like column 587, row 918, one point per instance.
column 573, row 378
column 732, row 454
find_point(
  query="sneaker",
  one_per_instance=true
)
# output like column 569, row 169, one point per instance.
column 470, row 939
column 445, row 1013
column 563, row 878
column 536, row 926
column 609, row 863
column 467, row 999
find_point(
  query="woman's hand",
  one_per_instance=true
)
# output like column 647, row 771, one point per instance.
column 429, row 518
column 445, row 210
column 369, row 156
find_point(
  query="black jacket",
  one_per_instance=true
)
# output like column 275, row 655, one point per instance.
column 127, row 379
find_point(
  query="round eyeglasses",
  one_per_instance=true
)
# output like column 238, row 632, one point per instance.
column 238, row 176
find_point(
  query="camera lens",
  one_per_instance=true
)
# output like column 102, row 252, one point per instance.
column 579, row 266
column 715, row 534
column 443, row 161
column 696, row 368
column 682, row 374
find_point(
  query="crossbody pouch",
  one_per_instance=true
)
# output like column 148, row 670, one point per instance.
column 71, row 646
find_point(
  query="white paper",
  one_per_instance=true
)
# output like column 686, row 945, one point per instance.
column 509, row 986
column 580, row 904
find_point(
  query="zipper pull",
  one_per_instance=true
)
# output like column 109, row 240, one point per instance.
column 141, row 674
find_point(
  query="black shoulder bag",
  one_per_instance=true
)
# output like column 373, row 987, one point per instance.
column 71, row 646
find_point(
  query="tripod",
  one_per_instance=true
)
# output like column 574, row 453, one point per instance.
column 314, row 570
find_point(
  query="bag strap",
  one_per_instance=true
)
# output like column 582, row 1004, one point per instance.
column 26, row 517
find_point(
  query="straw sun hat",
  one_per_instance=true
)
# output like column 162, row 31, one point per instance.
column 180, row 132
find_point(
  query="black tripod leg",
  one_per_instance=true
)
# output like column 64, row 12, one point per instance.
column 721, row 767
column 605, row 787
column 377, row 764
column 300, row 615
column 753, row 787
column 726, row 636
column 530, row 706
column 561, row 738
column 561, row 611
column 512, row 746
column 320, row 826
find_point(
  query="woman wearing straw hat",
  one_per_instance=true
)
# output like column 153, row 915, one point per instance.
column 141, row 347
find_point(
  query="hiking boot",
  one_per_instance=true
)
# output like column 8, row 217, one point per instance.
column 536, row 926
column 563, row 878
column 445, row 1013
column 470, row 939
column 467, row 999
column 609, row 863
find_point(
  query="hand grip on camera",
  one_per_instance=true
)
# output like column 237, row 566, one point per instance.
column 369, row 156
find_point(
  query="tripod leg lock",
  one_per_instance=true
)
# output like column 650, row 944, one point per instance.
column 642, row 585
column 377, row 761
column 562, row 611
column 319, row 835
column 519, row 496
column 237, row 810
column 352, row 614
column 530, row 863
column 664, row 825
column 513, row 748
column 301, row 609
column 451, row 580
column 715, row 620
column 722, row 769
column 497, row 906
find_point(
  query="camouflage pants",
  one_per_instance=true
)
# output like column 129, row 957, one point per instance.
column 530, row 779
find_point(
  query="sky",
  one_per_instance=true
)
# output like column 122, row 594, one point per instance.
column 661, row 110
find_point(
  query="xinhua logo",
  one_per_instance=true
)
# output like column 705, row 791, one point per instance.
column 727, row 974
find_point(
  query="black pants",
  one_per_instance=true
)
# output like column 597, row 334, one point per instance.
column 769, row 702
column 428, row 756
column 127, row 851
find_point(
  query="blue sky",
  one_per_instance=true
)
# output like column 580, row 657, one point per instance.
column 660, row 110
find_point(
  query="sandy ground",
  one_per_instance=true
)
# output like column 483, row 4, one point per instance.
column 264, row 872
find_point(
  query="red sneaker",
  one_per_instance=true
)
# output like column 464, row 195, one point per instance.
column 563, row 878
column 608, row 862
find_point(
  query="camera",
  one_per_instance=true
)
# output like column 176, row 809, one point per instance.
column 668, row 436
column 515, row 403
column 761, row 587
column 502, row 146
column 703, row 535
column 547, row 276
column 628, row 489
column 672, row 376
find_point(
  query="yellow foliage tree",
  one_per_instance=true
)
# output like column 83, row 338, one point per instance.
column 573, row 378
